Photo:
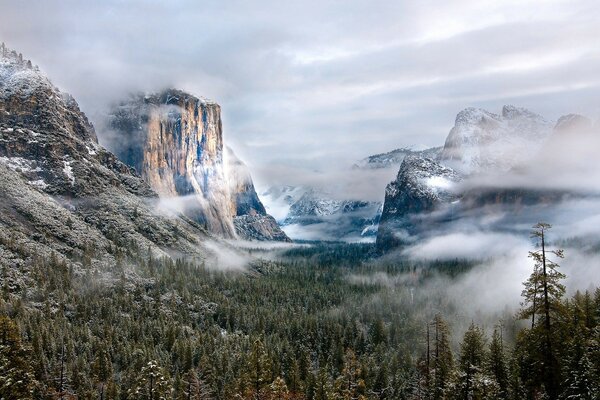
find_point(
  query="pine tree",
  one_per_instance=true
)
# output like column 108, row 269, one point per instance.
column 581, row 380
column 349, row 385
column 102, row 371
column 542, row 297
column 151, row 384
column 259, row 370
column 497, row 367
column 442, row 363
column 279, row 390
column 16, row 375
column 471, row 381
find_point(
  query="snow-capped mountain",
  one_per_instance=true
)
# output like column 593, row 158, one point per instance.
column 395, row 157
column 484, row 149
column 308, row 213
column 483, row 141
column 175, row 141
column 421, row 186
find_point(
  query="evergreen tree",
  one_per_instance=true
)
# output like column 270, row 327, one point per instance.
column 471, row 381
column 442, row 360
column 497, row 367
column 542, row 298
column 581, row 382
column 151, row 384
column 259, row 370
column 16, row 376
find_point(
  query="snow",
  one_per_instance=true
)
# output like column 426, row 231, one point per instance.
column 68, row 170
column 39, row 183
column 482, row 141
column 91, row 152
column 21, row 164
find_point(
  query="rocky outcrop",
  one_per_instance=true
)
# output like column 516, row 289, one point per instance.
column 175, row 141
column 515, row 165
column 422, row 187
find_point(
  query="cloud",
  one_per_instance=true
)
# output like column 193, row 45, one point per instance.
column 465, row 245
column 314, row 80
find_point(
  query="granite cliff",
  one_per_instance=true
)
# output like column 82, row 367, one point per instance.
column 175, row 141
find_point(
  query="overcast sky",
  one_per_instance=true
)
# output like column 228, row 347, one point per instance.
column 312, row 84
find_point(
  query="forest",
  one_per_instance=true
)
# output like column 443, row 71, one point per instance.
column 307, row 324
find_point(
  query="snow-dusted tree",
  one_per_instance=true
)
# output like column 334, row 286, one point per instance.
column 471, row 380
column 16, row 376
column 349, row 385
column 279, row 390
column 581, row 381
column 151, row 384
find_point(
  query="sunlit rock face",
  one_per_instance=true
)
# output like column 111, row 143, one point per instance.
column 175, row 141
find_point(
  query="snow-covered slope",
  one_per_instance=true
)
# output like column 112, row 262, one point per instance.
column 482, row 141
column 395, row 157
column 62, row 193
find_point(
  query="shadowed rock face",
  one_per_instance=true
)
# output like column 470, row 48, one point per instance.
column 421, row 187
column 175, row 141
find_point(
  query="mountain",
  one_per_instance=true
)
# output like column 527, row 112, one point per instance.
column 309, row 213
column 482, row 141
column 482, row 154
column 175, row 141
column 63, row 196
column 395, row 157
column 422, row 185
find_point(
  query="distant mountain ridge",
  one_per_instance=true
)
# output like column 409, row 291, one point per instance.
column 395, row 157
column 429, row 192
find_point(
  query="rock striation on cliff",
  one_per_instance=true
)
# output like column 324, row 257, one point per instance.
column 175, row 141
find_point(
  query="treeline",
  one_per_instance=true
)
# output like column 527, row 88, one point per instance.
column 300, row 330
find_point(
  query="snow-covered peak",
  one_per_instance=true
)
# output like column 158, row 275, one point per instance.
column 424, row 177
column 395, row 157
column 29, row 100
column 481, row 140
column 573, row 122
column 19, row 76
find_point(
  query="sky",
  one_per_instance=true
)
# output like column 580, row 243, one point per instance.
column 311, row 86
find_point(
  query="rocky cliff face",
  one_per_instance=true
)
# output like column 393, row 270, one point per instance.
column 175, row 141
column 61, row 192
column 422, row 186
